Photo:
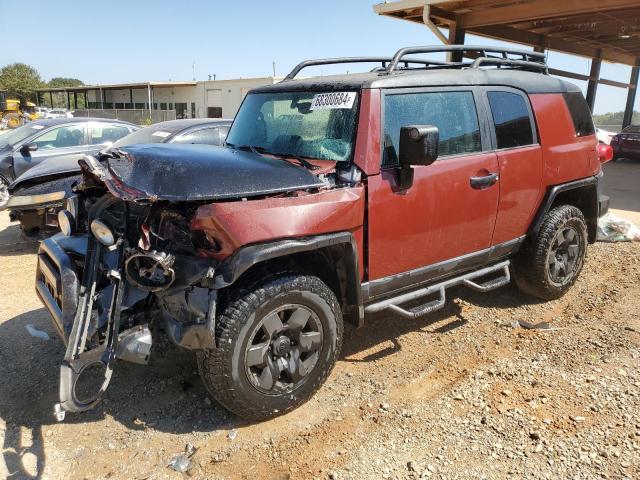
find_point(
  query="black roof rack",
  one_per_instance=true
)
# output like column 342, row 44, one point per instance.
column 482, row 55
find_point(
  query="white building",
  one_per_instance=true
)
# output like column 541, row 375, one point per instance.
column 210, row 98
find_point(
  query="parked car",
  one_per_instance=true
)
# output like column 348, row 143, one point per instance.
column 604, row 136
column 41, row 112
column 36, row 196
column 626, row 144
column 26, row 147
column 59, row 113
column 335, row 197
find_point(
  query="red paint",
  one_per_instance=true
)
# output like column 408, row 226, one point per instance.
column 566, row 157
column 440, row 217
column 367, row 151
column 520, row 191
column 236, row 224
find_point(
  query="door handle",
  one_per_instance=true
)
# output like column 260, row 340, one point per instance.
column 486, row 181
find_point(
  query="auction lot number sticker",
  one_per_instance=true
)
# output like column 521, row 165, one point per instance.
column 333, row 100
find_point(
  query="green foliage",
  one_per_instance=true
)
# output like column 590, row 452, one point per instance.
column 20, row 80
column 615, row 118
column 58, row 82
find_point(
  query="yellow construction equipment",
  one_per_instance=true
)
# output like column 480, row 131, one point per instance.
column 13, row 110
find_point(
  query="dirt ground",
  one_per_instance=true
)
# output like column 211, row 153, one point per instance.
column 464, row 393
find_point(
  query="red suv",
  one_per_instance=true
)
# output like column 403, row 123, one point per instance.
column 334, row 197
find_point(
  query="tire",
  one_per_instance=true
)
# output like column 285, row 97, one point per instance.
column 547, row 275
column 13, row 120
column 236, row 373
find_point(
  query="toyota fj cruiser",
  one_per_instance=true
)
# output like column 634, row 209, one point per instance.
column 334, row 197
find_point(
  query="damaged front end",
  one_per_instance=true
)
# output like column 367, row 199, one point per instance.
column 106, row 287
column 133, row 256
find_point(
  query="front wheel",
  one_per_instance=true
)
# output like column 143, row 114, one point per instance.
column 276, row 344
column 550, row 262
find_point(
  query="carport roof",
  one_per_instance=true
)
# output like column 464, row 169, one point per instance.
column 606, row 29
column 118, row 86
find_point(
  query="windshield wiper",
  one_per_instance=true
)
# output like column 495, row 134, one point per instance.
column 251, row 148
column 305, row 163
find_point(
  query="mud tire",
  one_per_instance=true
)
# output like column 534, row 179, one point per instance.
column 531, row 265
column 223, row 369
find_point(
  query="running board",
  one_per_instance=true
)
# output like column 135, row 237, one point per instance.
column 468, row 279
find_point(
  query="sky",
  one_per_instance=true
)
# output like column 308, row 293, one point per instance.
column 143, row 40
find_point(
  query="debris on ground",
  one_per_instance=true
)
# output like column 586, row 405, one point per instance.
column 612, row 228
column 182, row 462
column 34, row 332
column 532, row 326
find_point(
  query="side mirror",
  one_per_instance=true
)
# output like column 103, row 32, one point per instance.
column 418, row 146
column 29, row 147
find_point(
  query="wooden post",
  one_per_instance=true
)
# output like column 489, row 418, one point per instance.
column 456, row 37
column 631, row 96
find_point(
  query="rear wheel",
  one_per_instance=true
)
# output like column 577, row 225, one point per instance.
column 277, row 343
column 550, row 262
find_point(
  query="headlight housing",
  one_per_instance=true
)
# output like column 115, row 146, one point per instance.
column 66, row 222
column 102, row 233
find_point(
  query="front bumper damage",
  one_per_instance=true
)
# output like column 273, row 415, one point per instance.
column 85, row 288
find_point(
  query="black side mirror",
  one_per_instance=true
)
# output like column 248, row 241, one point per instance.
column 418, row 146
column 29, row 147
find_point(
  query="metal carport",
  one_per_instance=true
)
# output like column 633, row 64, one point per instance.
column 602, row 30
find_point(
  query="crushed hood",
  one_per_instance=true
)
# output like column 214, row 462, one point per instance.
column 199, row 172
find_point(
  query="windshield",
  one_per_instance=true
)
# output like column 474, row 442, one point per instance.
column 631, row 129
column 305, row 124
column 153, row 134
column 16, row 136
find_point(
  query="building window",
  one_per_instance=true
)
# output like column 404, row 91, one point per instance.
column 163, row 106
column 193, row 110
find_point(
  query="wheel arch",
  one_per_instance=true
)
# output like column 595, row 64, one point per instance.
column 582, row 194
column 331, row 257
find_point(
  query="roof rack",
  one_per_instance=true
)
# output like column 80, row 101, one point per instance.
column 526, row 60
column 385, row 61
column 482, row 55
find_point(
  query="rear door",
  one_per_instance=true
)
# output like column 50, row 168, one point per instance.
column 515, row 140
column 447, row 213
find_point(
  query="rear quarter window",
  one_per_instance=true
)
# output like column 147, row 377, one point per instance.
column 511, row 119
column 580, row 114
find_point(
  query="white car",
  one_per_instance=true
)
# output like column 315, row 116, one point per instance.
column 59, row 113
column 42, row 112
column 604, row 136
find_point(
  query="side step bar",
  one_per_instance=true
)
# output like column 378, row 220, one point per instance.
column 468, row 279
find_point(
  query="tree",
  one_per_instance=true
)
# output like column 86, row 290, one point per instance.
column 20, row 80
column 58, row 82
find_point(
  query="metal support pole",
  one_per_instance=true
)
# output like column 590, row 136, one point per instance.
column 131, row 97
column 75, row 100
column 51, row 98
column 68, row 100
column 102, row 98
column 631, row 96
column 149, row 96
column 594, row 77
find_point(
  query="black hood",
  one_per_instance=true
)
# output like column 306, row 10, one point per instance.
column 199, row 172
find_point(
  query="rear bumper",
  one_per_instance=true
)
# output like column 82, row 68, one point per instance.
column 57, row 279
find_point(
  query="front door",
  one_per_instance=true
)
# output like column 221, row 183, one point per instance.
column 447, row 213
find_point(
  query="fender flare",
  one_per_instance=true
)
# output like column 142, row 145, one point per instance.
column 591, row 183
column 232, row 268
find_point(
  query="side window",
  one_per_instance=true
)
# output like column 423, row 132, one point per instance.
column 511, row 118
column 69, row 136
column 454, row 113
column 205, row 136
column 105, row 133
column 580, row 114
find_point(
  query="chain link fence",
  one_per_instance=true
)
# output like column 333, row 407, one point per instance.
column 140, row 117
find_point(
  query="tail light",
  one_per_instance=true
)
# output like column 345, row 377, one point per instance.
column 605, row 152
